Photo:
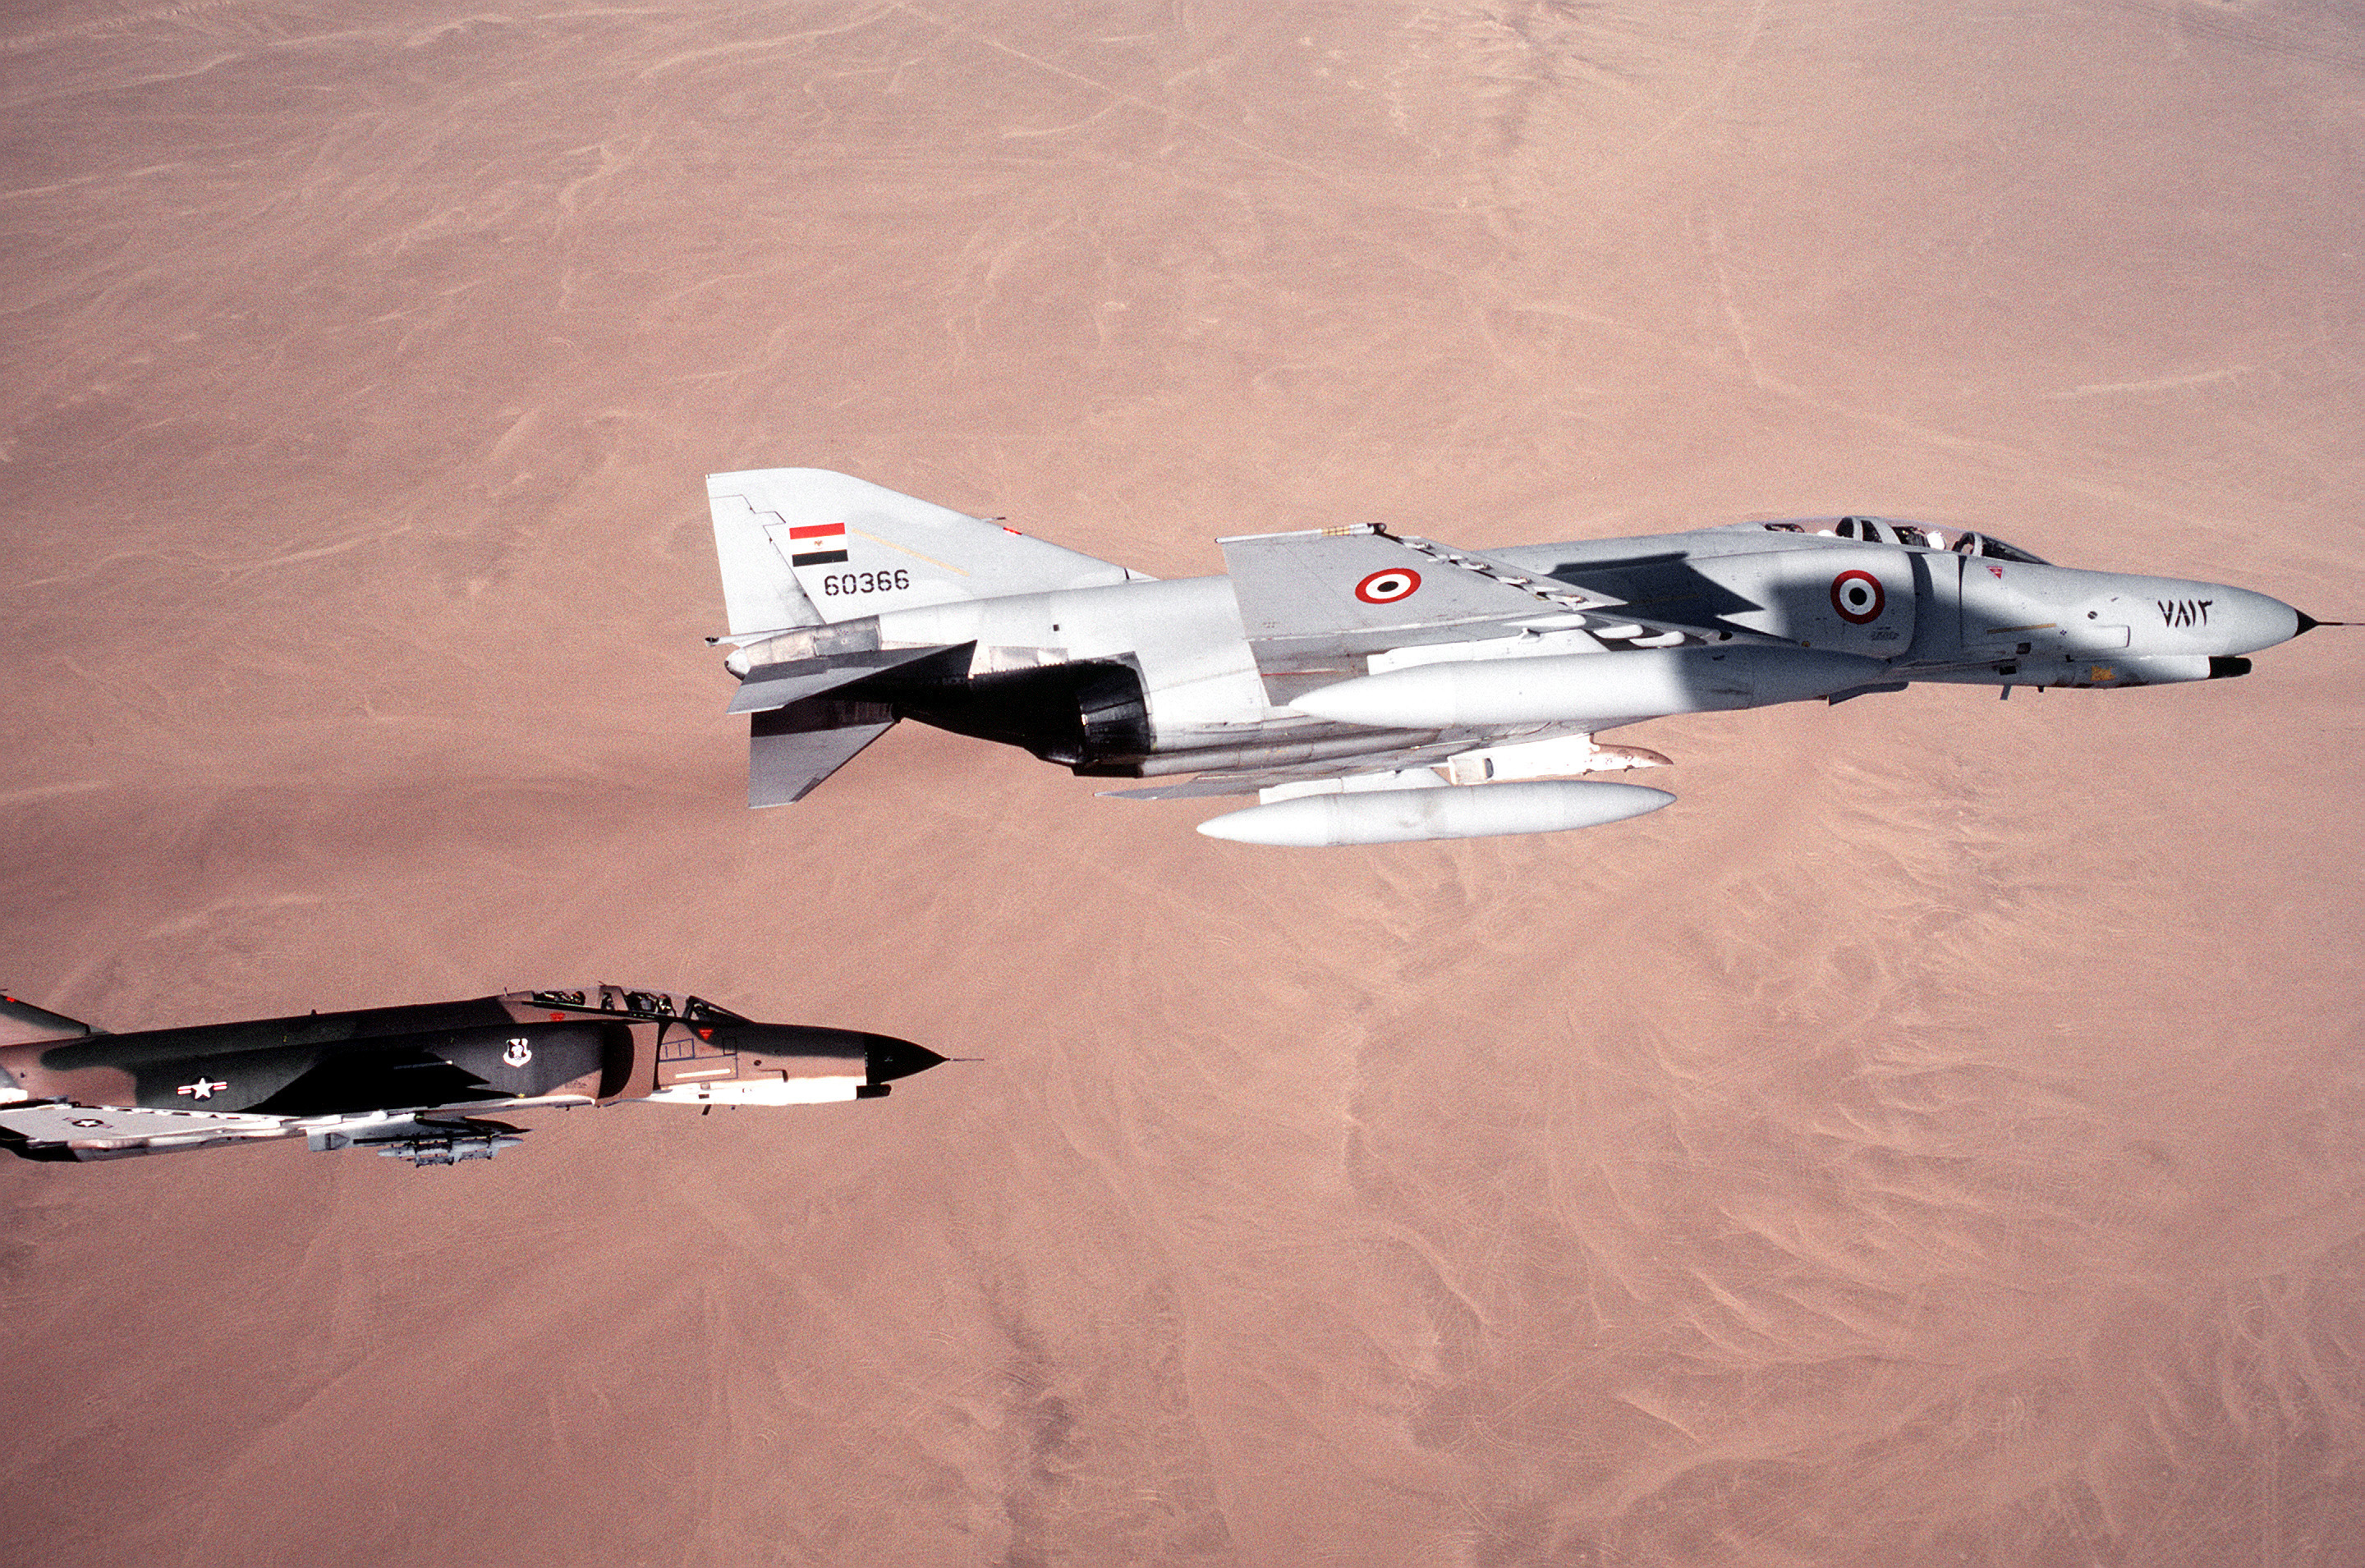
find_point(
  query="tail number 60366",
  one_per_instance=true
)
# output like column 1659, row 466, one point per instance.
column 863, row 582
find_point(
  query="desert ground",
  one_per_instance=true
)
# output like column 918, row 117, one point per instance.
column 1936, row 1139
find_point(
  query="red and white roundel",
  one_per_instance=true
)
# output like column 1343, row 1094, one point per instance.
column 1857, row 596
column 1386, row 588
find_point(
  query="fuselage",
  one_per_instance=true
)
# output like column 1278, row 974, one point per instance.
column 1159, row 677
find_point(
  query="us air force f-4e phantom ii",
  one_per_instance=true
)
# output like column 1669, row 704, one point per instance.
column 1369, row 687
column 411, row 1081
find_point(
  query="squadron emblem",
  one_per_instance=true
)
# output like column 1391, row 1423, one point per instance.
column 519, row 1053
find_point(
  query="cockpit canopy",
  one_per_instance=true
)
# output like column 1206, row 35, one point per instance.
column 1916, row 535
column 633, row 1002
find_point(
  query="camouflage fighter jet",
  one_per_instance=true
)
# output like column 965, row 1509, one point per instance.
column 1370, row 687
column 411, row 1081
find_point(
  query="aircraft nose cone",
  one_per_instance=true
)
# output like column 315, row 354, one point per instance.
column 2252, row 621
column 890, row 1058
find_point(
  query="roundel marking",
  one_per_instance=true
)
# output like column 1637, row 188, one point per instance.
column 1386, row 588
column 1858, row 597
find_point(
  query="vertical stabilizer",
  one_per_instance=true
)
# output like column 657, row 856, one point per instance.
column 845, row 549
column 759, row 592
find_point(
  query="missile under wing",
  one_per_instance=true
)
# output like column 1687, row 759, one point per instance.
column 418, row 1082
column 1406, row 683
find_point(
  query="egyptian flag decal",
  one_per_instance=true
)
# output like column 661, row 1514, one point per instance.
column 817, row 545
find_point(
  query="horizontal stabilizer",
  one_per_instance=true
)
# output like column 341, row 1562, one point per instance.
column 792, row 749
column 21, row 1023
column 767, row 687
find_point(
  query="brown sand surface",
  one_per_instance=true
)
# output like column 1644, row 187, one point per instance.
column 1936, row 1139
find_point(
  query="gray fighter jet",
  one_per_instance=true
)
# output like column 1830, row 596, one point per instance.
column 411, row 1082
column 1370, row 687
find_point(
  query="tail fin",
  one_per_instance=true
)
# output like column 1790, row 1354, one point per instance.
column 759, row 593
column 800, row 546
column 23, row 1024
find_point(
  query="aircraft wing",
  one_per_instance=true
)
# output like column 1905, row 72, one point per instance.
column 56, row 1130
column 1248, row 781
column 1320, row 604
column 1317, row 599
column 1326, row 606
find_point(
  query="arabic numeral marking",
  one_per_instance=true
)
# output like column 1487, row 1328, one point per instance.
column 849, row 583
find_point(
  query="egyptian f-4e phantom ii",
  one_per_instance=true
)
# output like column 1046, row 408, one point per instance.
column 1370, row 687
column 411, row 1081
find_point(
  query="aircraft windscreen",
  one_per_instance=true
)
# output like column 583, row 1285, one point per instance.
column 1917, row 535
column 1987, row 544
column 637, row 1002
column 1990, row 546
